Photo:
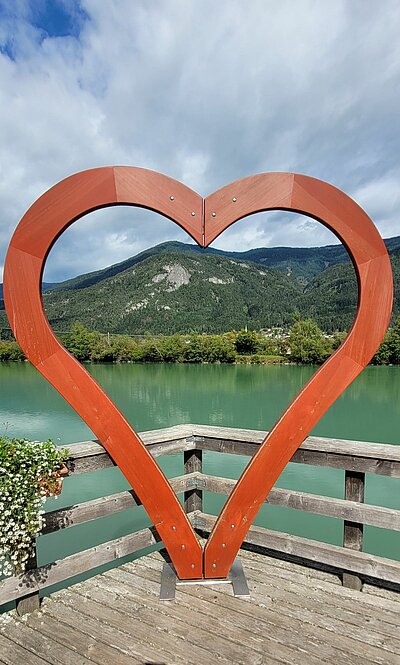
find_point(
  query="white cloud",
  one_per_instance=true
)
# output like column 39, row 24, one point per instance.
column 205, row 92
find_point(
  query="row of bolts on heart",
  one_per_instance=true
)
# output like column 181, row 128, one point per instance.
column 183, row 547
column 213, row 214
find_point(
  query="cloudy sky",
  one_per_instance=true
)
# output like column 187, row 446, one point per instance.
column 206, row 92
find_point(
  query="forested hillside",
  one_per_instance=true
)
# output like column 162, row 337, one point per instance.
column 179, row 292
column 301, row 263
column 176, row 287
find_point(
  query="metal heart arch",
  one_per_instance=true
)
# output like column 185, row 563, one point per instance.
column 204, row 220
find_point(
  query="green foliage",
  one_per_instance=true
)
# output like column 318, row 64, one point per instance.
column 123, row 349
column 173, row 349
column 307, row 343
column 255, row 289
column 383, row 354
column 182, row 292
column 10, row 351
column 389, row 351
column 194, row 351
column 28, row 471
column 246, row 342
column 84, row 345
column 302, row 263
column 338, row 339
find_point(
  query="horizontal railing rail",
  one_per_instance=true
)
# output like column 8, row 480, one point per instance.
column 355, row 458
column 377, row 458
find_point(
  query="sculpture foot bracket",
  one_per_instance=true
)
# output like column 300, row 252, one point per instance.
column 236, row 577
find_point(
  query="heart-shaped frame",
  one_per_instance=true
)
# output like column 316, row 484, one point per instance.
column 204, row 220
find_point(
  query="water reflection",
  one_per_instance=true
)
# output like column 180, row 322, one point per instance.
column 152, row 396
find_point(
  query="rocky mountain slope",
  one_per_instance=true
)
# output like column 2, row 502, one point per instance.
column 177, row 287
column 301, row 263
column 178, row 292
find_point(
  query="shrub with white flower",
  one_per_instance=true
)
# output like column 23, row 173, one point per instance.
column 29, row 471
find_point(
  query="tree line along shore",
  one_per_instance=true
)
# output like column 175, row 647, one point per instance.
column 304, row 344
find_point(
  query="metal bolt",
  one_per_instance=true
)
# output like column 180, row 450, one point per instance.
column 214, row 565
column 192, row 566
column 193, row 213
column 232, row 526
column 172, row 198
column 174, row 528
column 234, row 199
column 223, row 544
column 213, row 214
column 183, row 547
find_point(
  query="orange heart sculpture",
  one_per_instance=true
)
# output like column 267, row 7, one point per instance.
column 204, row 220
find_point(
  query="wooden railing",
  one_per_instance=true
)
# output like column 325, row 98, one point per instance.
column 355, row 458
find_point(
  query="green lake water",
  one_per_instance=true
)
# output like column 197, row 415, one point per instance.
column 155, row 396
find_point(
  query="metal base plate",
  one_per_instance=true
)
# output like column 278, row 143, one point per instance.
column 170, row 581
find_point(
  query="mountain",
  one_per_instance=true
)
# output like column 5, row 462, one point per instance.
column 177, row 292
column 331, row 297
column 185, row 290
column 177, row 287
column 302, row 263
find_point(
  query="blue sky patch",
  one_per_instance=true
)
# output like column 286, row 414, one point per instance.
column 58, row 18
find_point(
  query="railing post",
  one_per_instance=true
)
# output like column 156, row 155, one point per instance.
column 353, row 531
column 31, row 602
column 193, row 461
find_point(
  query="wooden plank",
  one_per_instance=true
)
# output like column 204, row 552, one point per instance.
column 229, row 446
column 28, row 634
column 364, row 464
column 12, row 588
column 277, row 618
column 87, row 464
column 264, row 633
column 380, row 451
column 213, row 627
column 355, row 638
column 316, row 443
column 385, row 518
column 192, row 434
column 172, row 433
column 13, row 654
column 323, row 579
column 166, row 626
column 305, row 586
column 166, row 435
column 323, row 634
column 91, row 456
column 111, row 593
column 333, row 556
column 385, row 603
column 129, row 636
column 193, row 463
column 321, row 601
column 108, row 505
column 90, row 647
column 366, row 457
column 170, row 447
column 379, row 466
column 353, row 530
column 90, row 510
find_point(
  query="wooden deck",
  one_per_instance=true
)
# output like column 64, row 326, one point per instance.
column 294, row 615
